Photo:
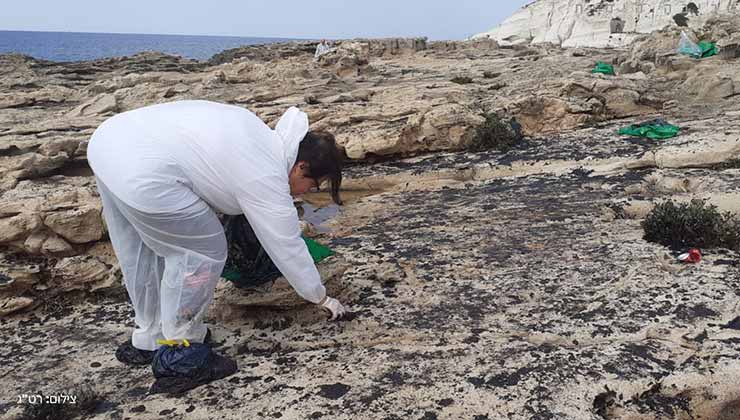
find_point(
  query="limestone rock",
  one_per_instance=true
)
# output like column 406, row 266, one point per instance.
column 17, row 71
column 632, row 66
column 43, row 242
column 215, row 78
column 396, row 46
column 34, row 242
column 266, row 53
column 583, row 98
column 17, row 227
column 484, row 43
column 54, row 147
column 305, row 50
column 25, row 272
column 11, row 304
column 444, row 127
column 31, row 165
column 649, row 47
column 80, row 225
column 700, row 152
column 15, row 101
column 674, row 62
column 45, row 96
column 347, row 58
column 707, row 88
column 574, row 23
column 539, row 114
column 729, row 48
column 122, row 82
column 48, row 195
column 79, row 273
column 102, row 104
column 56, row 246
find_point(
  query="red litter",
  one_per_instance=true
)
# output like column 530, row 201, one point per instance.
column 693, row 256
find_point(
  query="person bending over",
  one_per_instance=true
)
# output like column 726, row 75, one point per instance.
column 163, row 171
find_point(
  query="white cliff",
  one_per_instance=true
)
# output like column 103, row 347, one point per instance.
column 601, row 23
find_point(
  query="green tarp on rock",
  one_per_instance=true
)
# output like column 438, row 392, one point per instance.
column 654, row 129
column 708, row 49
column 603, row 68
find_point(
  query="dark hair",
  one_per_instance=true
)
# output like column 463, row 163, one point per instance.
column 319, row 150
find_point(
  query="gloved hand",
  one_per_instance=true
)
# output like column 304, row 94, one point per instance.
column 333, row 306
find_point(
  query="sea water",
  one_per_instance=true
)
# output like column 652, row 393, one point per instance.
column 77, row 46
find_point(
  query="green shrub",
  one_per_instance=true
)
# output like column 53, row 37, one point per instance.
column 694, row 224
column 461, row 80
column 496, row 134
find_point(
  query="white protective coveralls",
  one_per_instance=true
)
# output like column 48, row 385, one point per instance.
column 161, row 171
column 321, row 49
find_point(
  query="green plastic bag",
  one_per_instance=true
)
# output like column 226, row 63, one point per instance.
column 656, row 129
column 231, row 274
column 247, row 264
column 603, row 68
column 703, row 49
column 318, row 252
column 708, row 49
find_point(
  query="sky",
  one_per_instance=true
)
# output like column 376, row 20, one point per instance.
column 334, row 19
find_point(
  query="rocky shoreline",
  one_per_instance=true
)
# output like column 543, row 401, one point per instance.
column 486, row 284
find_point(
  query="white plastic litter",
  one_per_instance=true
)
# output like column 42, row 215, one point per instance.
column 688, row 47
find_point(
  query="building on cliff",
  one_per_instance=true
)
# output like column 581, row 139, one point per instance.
column 601, row 23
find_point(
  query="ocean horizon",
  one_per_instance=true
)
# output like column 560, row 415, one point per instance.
column 82, row 46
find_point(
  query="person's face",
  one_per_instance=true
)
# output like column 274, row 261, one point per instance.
column 299, row 182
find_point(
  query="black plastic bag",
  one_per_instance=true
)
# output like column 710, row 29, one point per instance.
column 248, row 264
column 180, row 368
